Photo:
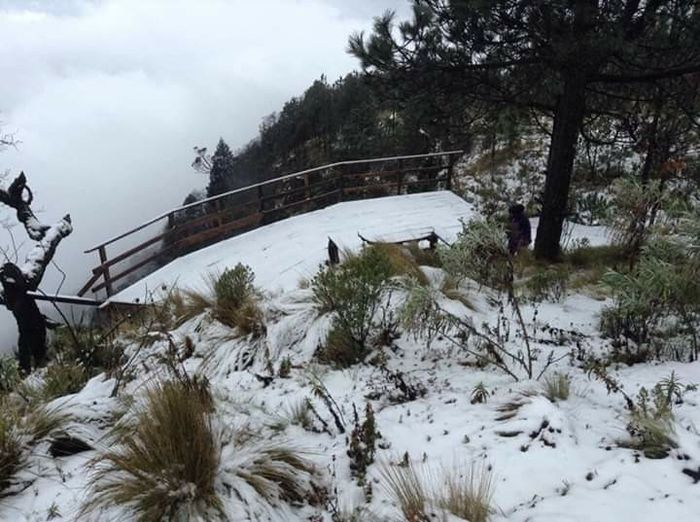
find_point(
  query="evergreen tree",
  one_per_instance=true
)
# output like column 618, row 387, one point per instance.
column 221, row 175
column 566, row 59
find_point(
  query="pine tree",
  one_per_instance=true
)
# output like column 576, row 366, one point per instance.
column 566, row 59
column 221, row 175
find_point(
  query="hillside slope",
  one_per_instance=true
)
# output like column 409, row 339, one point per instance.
column 552, row 459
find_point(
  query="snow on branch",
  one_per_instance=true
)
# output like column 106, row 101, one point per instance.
column 19, row 196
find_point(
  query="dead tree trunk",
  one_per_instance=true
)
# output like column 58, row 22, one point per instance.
column 17, row 281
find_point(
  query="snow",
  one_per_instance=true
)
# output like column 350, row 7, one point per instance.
column 552, row 462
column 283, row 253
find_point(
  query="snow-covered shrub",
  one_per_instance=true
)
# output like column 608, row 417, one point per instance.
column 22, row 427
column 635, row 208
column 395, row 386
column 234, row 286
column 423, row 495
column 166, row 465
column 354, row 292
column 657, row 300
column 480, row 253
column 424, row 316
column 9, row 374
column 479, row 394
column 236, row 300
column 88, row 347
column 548, row 283
column 340, row 349
column 557, row 387
column 651, row 420
column 63, row 378
column 231, row 298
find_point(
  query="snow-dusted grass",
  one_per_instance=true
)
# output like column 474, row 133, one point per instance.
column 166, row 465
column 567, row 460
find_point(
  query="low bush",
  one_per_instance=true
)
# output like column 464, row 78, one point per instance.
column 9, row 374
column 63, row 378
column 231, row 298
column 354, row 292
column 468, row 493
column 650, row 423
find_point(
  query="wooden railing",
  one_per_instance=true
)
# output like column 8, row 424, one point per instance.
column 190, row 227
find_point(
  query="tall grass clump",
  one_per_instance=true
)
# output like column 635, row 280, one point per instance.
column 165, row 466
column 12, row 454
column 466, row 492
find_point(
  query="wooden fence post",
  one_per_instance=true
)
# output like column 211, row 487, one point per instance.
column 105, row 272
column 307, row 186
column 341, row 184
column 399, row 177
column 261, row 201
column 450, row 167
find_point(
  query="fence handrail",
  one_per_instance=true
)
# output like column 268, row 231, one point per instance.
column 170, row 212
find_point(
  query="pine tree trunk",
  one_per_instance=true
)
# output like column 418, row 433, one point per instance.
column 568, row 118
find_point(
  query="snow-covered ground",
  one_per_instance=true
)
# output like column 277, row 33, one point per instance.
column 283, row 253
column 551, row 461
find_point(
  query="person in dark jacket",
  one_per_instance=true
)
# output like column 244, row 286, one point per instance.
column 519, row 232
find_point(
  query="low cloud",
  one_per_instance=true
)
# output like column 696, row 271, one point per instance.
column 109, row 97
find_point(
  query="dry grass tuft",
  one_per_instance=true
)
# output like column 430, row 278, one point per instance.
column 401, row 261
column 557, row 387
column 406, row 487
column 166, row 466
column 466, row 492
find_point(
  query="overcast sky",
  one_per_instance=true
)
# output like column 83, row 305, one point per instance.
column 108, row 97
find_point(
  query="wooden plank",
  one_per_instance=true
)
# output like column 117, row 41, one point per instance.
column 211, row 233
column 100, row 268
column 90, row 282
column 67, row 299
column 129, row 270
column 105, row 272
column 301, row 202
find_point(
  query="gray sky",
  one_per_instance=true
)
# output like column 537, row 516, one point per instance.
column 108, row 97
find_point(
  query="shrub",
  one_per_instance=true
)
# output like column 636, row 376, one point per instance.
column 166, row 466
column 340, row 349
column 234, row 286
column 63, row 378
column 480, row 253
column 232, row 299
column 354, row 292
column 548, row 283
column 362, row 444
column 276, row 473
column 9, row 374
column 406, row 487
column 480, row 394
column 401, row 261
column 557, row 387
column 651, row 420
column 88, row 347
